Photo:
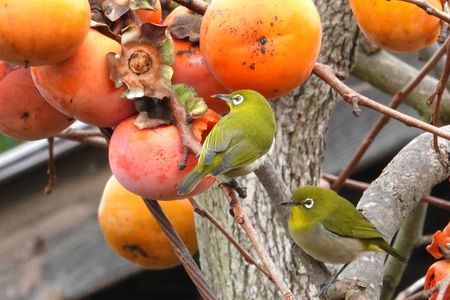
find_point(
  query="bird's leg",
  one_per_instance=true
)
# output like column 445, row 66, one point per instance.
column 325, row 285
column 240, row 190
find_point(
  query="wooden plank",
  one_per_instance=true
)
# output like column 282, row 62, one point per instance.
column 51, row 246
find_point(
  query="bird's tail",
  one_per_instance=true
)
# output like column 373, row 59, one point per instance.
column 190, row 181
column 392, row 251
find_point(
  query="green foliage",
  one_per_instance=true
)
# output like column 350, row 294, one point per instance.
column 7, row 143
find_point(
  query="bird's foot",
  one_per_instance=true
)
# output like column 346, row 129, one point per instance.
column 240, row 190
column 323, row 288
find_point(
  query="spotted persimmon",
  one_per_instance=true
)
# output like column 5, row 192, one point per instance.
column 24, row 114
column 80, row 86
column 146, row 161
column 396, row 25
column 132, row 232
column 37, row 32
column 268, row 46
column 190, row 67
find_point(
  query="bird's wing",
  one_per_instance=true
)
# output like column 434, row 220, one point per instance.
column 226, row 149
column 217, row 141
column 351, row 223
column 241, row 153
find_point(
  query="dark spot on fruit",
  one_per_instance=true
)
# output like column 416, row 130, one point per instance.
column 275, row 90
column 25, row 115
column 262, row 43
column 133, row 248
column 188, row 52
column 252, row 66
column 276, row 18
column 244, row 63
column 71, row 100
column 271, row 24
column 259, row 22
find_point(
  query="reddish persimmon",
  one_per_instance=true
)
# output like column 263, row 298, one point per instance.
column 132, row 232
column 145, row 161
column 37, row 32
column 24, row 114
column 268, row 46
column 80, row 86
column 190, row 68
column 438, row 271
column 396, row 25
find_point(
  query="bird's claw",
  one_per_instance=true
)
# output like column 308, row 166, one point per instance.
column 240, row 190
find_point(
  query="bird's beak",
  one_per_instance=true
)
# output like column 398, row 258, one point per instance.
column 224, row 97
column 286, row 202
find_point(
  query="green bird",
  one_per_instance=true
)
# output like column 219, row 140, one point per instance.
column 236, row 143
column 330, row 229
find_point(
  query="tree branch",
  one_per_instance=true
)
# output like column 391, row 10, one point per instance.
column 326, row 73
column 405, row 242
column 396, row 100
column 196, row 6
column 392, row 197
column 429, row 9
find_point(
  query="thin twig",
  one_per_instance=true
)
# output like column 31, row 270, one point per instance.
column 438, row 202
column 396, row 100
column 89, row 137
column 242, row 219
column 196, row 6
column 443, row 288
column 429, row 9
column 418, row 284
column 51, row 169
column 180, row 249
column 204, row 213
column 179, row 115
column 440, row 89
column 326, row 73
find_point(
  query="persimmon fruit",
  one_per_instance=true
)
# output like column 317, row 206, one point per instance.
column 190, row 67
column 145, row 161
column 38, row 32
column 151, row 16
column 24, row 114
column 268, row 46
column 132, row 232
column 80, row 86
column 437, row 272
column 396, row 25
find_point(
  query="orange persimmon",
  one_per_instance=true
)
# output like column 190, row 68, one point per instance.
column 37, row 32
column 396, row 25
column 80, row 86
column 24, row 114
column 268, row 46
column 132, row 232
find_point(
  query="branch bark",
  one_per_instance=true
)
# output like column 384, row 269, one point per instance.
column 392, row 197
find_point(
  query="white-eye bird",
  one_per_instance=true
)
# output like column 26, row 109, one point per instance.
column 330, row 229
column 237, row 142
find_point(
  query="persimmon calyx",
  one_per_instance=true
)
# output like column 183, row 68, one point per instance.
column 114, row 9
column 144, row 62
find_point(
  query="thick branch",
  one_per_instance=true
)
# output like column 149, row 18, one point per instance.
column 326, row 73
column 405, row 242
column 392, row 197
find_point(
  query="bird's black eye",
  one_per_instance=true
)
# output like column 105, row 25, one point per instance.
column 308, row 203
column 238, row 99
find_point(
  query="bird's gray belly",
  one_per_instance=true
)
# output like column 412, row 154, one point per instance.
column 328, row 247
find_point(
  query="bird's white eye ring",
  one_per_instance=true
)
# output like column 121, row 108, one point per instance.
column 308, row 203
column 238, row 99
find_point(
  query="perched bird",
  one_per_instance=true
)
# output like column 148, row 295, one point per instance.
column 237, row 142
column 330, row 229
